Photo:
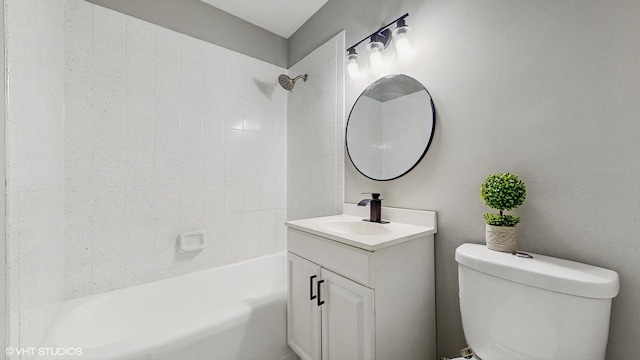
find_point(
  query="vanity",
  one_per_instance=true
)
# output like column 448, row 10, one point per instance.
column 362, row 290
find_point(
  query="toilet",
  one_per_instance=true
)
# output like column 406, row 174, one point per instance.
column 533, row 307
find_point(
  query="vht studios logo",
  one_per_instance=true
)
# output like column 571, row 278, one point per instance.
column 43, row 351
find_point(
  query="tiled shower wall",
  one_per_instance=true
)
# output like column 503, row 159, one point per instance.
column 35, row 174
column 165, row 134
column 315, row 116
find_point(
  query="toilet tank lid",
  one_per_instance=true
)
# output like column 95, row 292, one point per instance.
column 545, row 272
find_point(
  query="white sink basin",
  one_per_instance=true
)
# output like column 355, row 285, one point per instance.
column 354, row 227
column 349, row 229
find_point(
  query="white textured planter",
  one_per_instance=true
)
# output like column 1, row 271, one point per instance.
column 502, row 238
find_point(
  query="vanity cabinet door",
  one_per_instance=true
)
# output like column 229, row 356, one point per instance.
column 348, row 323
column 303, row 312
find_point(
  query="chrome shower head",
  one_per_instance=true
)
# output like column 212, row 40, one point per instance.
column 287, row 82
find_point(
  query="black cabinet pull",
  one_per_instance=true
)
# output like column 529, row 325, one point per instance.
column 311, row 287
column 319, row 296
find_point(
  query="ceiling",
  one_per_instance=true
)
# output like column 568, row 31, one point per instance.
column 281, row 17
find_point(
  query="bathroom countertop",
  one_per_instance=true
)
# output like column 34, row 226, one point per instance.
column 379, row 235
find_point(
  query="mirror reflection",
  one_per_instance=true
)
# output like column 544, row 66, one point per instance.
column 390, row 127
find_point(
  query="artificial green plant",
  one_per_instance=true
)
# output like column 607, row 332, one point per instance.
column 503, row 192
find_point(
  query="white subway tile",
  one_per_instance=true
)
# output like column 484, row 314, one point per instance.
column 191, row 200
column 214, row 255
column 108, row 131
column 108, row 23
column 140, row 35
column 233, row 143
column 140, row 203
column 109, row 58
column 233, row 116
column 109, row 93
column 167, row 78
column 107, row 242
column 167, row 202
column 213, row 138
column 140, row 237
column 253, row 197
column 141, row 97
column 214, row 169
column 108, row 168
column 108, row 204
column 108, row 275
column 167, row 128
column 140, row 133
column 251, row 144
column 78, row 249
column 213, row 200
column 251, row 222
column 77, row 280
column 233, row 170
column 192, row 223
column 167, row 231
column 167, row 42
column 192, row 169
column 191, row 131
column 78, row 205
column 192, row 49
column 168, row 168
column 140, row 269
column 140, row 168
column 233, row 198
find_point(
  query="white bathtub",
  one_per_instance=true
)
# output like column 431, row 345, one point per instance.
column 234, row 312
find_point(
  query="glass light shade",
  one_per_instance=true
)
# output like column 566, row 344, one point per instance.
column 404, row 49
column 353, row 70
column 376, row 63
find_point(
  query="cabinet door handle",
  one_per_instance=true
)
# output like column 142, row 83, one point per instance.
column 311, row 296
column 319, row 296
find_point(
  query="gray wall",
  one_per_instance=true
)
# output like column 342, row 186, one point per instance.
column 205, row 22
column 548, row 90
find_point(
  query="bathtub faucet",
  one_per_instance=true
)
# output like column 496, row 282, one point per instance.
column 375, row 213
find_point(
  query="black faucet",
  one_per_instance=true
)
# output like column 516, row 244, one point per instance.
column 375, row 214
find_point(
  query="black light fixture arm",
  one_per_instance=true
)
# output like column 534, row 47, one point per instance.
column 378, row 31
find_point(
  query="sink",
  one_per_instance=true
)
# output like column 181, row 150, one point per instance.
column 354, row 227
column 349, row 229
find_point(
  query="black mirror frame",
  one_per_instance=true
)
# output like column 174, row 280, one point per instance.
column 433, row 130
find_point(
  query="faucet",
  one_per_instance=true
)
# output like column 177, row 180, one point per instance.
column 375, row 214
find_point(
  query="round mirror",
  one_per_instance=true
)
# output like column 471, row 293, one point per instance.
column 390, row 127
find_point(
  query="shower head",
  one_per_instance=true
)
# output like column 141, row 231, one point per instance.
column 287, row 82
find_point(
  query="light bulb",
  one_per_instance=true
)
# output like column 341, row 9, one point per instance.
column 404, row 49
column 353, row 70
column 376, row 63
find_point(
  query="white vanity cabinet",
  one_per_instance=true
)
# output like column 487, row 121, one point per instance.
column 331, row 317
column 360, row 302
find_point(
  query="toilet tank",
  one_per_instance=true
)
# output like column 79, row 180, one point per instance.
column 539, row 308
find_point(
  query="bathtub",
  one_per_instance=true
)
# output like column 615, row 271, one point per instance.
column 233, row 312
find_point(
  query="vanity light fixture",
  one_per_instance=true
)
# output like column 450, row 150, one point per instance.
column 378, row 42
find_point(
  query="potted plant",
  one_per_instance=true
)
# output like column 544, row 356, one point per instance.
column 503, row 192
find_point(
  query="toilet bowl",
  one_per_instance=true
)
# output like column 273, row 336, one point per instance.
column 533, row 308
